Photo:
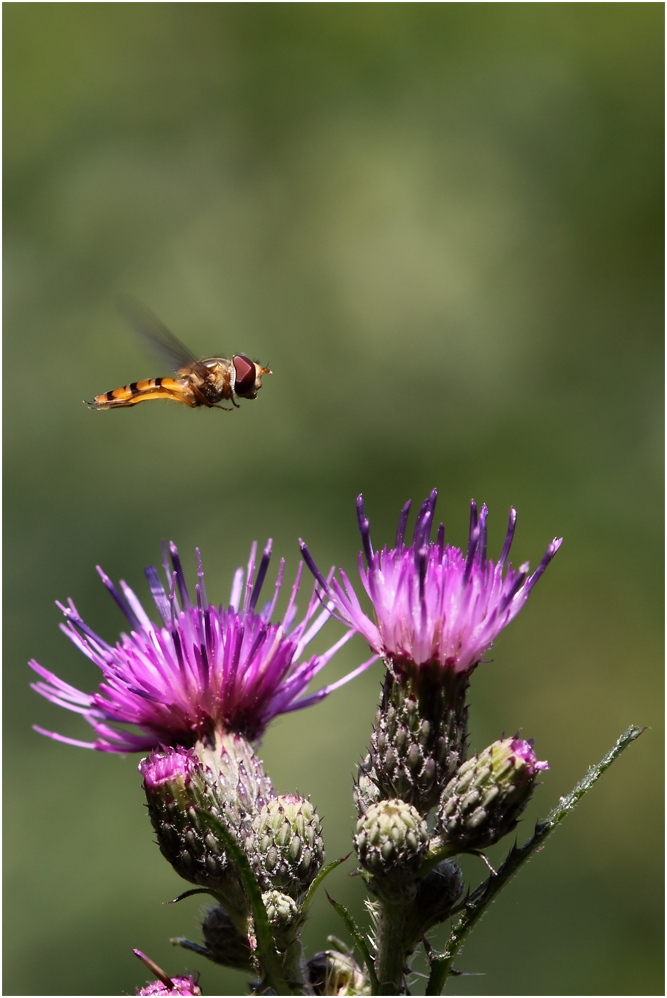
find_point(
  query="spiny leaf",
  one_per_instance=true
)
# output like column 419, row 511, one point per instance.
column 319, row 878
column 188, row 894
column 359, row 940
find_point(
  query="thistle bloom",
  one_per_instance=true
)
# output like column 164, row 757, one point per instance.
column 205, row 670
column 165, row 985
column 433, row 604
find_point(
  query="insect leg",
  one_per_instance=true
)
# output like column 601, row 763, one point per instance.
column 204, row 401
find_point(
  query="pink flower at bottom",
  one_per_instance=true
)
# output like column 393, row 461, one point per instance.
column 166, row 985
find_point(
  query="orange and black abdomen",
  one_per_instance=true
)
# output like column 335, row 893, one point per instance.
column 144, row 391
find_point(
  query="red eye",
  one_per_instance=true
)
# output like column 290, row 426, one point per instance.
column 245, row 375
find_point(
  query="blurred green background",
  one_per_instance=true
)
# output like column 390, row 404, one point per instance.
column 441, row 226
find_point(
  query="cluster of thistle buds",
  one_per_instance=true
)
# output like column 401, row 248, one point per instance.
column 420, row 800
column 280, row 836
column 202, row 686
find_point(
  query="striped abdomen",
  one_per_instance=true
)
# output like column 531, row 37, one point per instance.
column 142, row 391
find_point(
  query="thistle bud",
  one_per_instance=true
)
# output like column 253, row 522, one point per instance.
column 227, row 780
column 437, row 893
column 288, row 847
column 281, row 909
column 334, row 973
column 391, row 835
column 224, row 943
column 239, row 775
column 488, row 793
column 178, row 788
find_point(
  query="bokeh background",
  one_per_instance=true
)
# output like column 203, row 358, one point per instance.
column 441, row 226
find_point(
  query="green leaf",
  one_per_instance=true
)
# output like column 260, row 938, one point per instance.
column 476, row 904
column 361, row 943
column 266, row 950
column 318, row 880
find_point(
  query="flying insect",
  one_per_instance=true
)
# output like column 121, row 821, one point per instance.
column 205, row 382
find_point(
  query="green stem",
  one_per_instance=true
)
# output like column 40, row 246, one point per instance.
column 477, row 903
column 266, row 950
column 294, row 966
column 391, row 936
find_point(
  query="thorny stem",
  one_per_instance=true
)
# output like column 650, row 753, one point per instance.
column 477, row 903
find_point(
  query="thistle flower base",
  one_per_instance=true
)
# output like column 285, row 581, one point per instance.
column 420, row 733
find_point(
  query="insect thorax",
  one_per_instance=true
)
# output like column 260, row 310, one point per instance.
column 217, row 384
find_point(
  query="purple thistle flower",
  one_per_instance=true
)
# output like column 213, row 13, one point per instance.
column 524, row 753
column 175, row 986
column 433, row 604
column 172, row 764
column 165, row 985
column 204, row 669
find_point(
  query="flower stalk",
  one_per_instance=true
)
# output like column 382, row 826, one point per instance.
column 476, row 904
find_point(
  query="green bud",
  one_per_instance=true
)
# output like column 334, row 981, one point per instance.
column 224, row 943
column 177, row 788
column 391, row 835
column 288, row 850
column 281, row 909
column 437, row 893
column 488, row 793
column 226, row 780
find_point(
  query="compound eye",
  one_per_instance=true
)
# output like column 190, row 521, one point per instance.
column 245, row 375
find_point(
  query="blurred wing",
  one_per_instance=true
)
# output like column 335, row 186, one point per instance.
column 156, row 334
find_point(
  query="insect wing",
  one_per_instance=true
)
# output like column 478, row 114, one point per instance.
column 160, row 339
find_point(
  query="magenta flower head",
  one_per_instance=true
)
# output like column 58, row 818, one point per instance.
column 165, row 985
column 433, row 604
column 436, row 613
column 204, row 671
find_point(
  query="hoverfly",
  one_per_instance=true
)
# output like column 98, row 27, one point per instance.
column 199, row 382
